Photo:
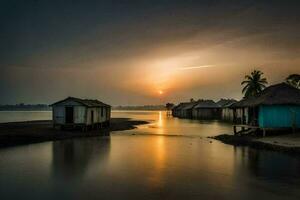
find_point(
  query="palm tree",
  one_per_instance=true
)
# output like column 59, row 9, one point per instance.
column 293, row 80
column 254, row 83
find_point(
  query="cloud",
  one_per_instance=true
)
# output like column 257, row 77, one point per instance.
column 196, row 67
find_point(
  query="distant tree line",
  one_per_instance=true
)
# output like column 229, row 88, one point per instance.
column 144, row 107
column 25, row 107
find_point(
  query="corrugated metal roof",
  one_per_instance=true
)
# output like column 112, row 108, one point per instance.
column 226, row 102
column 189, row 105
column 86, row 102
column 206, row 104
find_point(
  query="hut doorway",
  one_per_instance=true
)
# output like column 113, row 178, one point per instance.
column 253, row 116
column 69, row 115
column 92, row 116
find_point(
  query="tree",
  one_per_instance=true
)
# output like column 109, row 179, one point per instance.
column 254, row 83
column 169, row 106
column 293, row 80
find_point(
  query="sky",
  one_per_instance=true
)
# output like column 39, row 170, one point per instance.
column 143, row 52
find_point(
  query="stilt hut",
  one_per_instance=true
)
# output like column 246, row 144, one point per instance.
column 226, row 111
column 84, row 113
column 187, row 110
column 183, row 110
column 177, row 110
column 206, row 109
column 276, row 107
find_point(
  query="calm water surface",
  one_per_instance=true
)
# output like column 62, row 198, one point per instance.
column 167, row 159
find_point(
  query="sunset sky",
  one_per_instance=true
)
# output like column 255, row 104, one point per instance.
column 143, row 52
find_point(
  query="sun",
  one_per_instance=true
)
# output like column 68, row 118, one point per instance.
column 160, row 92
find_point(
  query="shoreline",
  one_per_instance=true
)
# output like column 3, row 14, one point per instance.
column 289, row 143
column 29, row 132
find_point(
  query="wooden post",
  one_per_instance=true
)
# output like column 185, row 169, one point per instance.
column 264, row 132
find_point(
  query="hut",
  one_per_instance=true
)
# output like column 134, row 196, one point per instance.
column 183, row 110
column 276, row 107
column 177, row 110
column 226, row 111
column 187, row 110
column 206, row 109
column 84, row 113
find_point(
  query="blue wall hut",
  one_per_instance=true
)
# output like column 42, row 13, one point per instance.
column 277, row 106
column 279, row 116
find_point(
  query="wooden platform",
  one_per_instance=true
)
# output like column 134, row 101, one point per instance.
column 247, row 129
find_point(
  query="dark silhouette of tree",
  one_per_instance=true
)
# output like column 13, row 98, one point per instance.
column 293, row 80
column 254, row 83
column 169, row 106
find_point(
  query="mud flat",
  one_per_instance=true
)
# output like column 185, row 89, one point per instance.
column 288, row 143
column 16, row 133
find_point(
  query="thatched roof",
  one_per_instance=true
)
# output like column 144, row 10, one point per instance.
column 279, row 94
column 180, row 106
column 189, row 105
column 226, row 102
column 206, row 104
column 185, row 105
column 85, row 102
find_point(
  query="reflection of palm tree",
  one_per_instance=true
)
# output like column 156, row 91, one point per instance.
column 293, row 80
column 254, row 83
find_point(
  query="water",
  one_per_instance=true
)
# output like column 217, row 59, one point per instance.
column 20, row 116
column 168, row 159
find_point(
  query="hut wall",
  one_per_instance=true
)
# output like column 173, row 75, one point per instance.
column 227, row 114
column 89, row 116
column 108, row 113
column 278, row 116
column 59, row 113
column 241, row 116
column 79, row 114
column 205, row 113
column 103, row 114
column 187, row 113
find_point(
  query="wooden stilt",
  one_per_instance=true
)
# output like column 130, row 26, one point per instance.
column 234, row 130
column 264, row 132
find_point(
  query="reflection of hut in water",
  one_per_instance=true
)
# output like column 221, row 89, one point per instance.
column 267, row 164
column 71, row 158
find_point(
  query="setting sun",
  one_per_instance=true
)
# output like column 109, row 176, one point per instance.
column 160, row 92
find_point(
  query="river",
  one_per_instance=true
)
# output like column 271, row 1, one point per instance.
column 167, row 159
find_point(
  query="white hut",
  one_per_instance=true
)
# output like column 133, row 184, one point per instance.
column 75, row 112
column 227, row 112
